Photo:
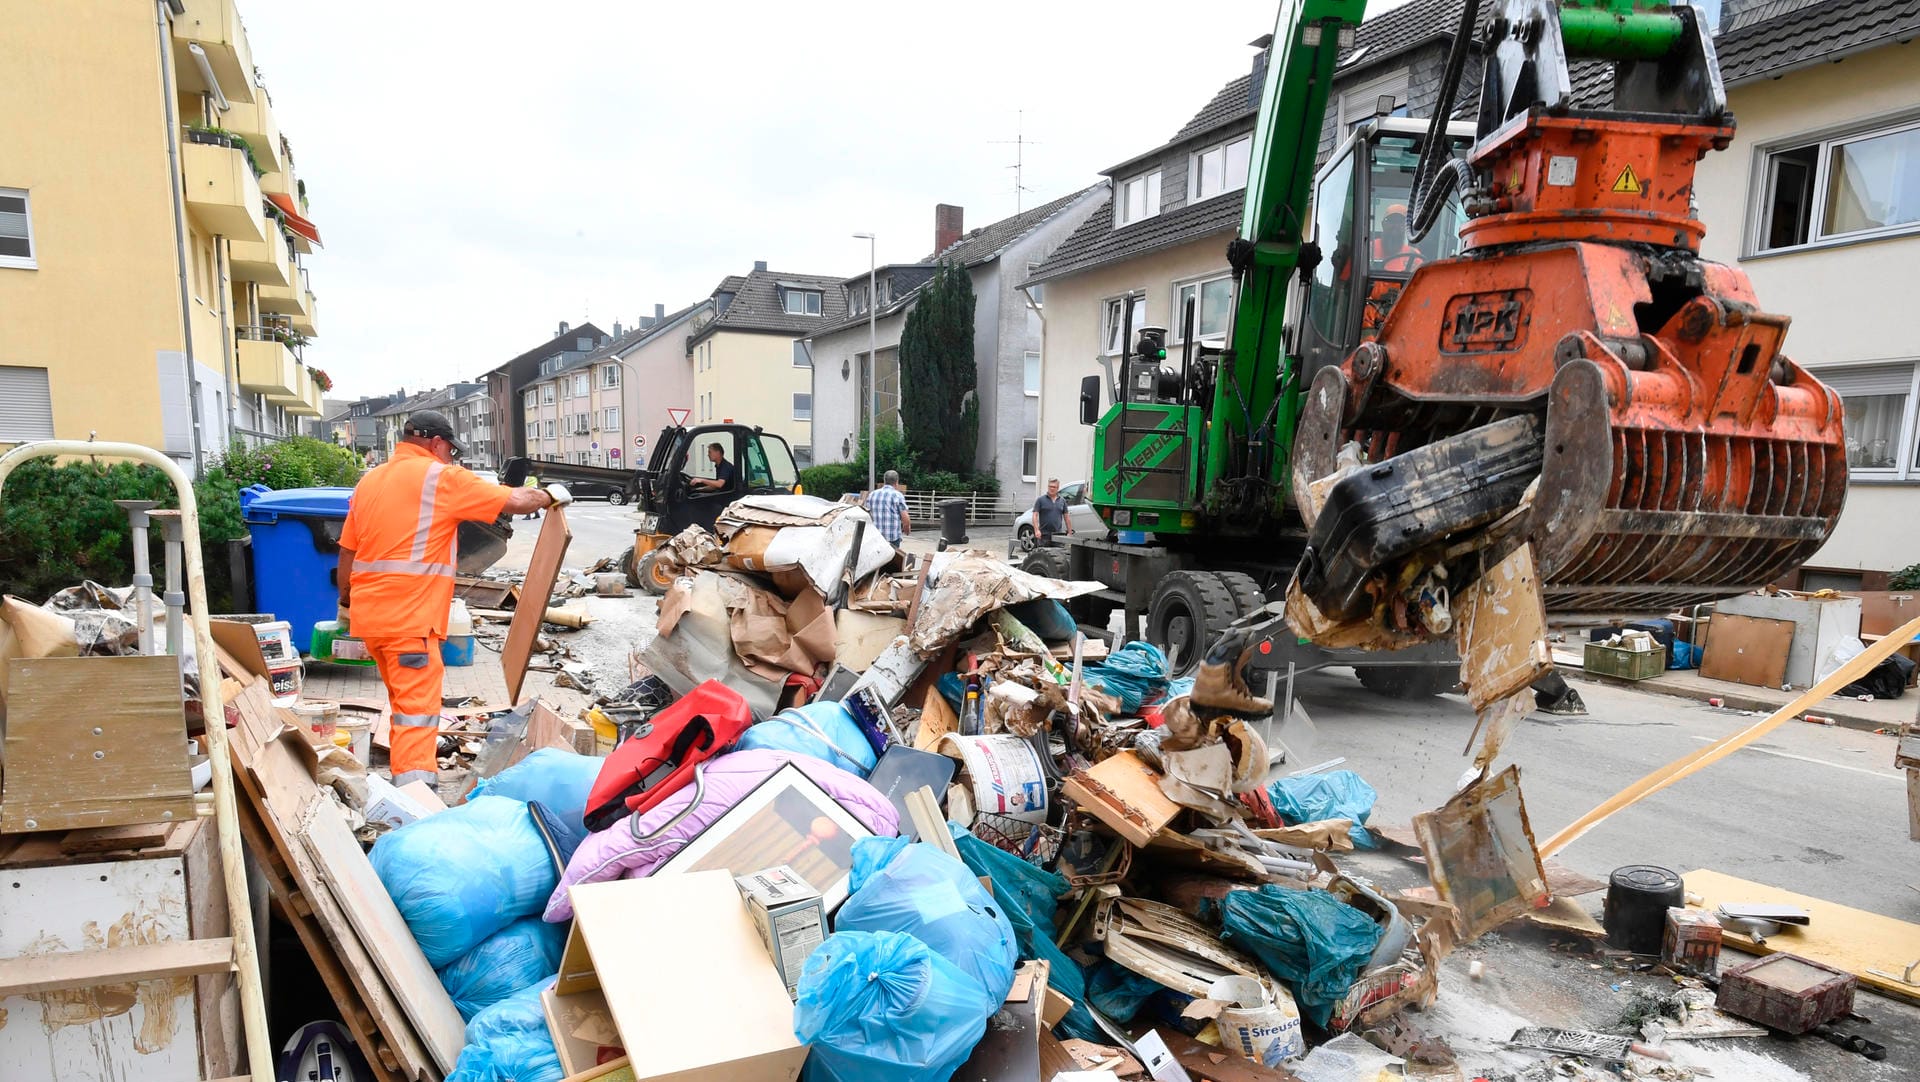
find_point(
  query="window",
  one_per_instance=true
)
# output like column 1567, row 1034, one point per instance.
column 583, row 345
column 26, row 405
column 585, row 458
column 16, row 231
column 1218, row 169
column 546, row 394
column 1033, row 373
column 1880, row 404
column 802, row 455
column 1116, row 323
column 802, row 407
column 610, row 375
column 1038, row 291
column 1029, row 460
column 1137, row 199
column 551, row 425
column 580, row 385
column 802, row 354
column 1864, row 184
column 802, row 302
column 1213, row 299
column 857, row 301
column 610, row 419
column 530, row 399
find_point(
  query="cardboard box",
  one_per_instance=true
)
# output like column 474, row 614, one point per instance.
column 790, row 916
column 396, row 807
column 690, row 987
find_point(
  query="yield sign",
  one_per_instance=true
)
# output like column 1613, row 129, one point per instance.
column 679, row 417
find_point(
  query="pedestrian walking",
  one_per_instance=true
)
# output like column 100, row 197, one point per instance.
column 1050, row 517
column 888, row 510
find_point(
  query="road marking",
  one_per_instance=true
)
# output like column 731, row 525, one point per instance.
column 1810, row 759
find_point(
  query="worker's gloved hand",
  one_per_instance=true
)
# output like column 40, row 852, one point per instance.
column 340, row 614
column 561, row 497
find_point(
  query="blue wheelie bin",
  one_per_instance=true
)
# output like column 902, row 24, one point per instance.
column 296, row 552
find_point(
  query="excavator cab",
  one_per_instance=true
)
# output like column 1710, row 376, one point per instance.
column 1360, row 222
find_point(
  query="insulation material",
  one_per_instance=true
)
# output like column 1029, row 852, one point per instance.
column 964, row 586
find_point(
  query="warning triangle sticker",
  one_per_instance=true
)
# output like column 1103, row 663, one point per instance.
column 1627, row 182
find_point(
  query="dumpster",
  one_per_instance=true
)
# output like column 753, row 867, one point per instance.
column 296, row 552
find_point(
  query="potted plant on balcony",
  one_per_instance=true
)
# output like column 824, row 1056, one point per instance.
column 321, row 380
column 220, row 137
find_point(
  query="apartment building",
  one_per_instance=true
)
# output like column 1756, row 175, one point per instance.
column 614, row 401
column 153, row 233
column 508, row 436
column 471, row 415
column 749, row 365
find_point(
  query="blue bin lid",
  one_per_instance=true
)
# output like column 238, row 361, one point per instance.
column 264, row 505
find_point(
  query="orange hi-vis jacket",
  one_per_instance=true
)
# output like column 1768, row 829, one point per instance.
column 401, row 525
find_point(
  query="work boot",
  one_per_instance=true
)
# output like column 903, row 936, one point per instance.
column 1221, row 685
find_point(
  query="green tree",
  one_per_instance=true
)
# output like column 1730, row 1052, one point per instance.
column 937, row 374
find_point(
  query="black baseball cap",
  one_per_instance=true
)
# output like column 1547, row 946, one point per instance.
column 430, row 423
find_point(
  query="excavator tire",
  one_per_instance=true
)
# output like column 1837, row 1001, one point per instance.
column 1247, row 595
column 1407, row 681
column 1188, row 611
column 654, row 579
column 1049, row 562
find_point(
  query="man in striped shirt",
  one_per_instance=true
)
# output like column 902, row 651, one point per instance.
column 888, row 509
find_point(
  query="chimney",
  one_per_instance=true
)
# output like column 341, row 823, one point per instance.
column 659, row 312
column 760, row 265
column 1264, row 43
column 616, row 328
column 947, row 226
column 562, row 330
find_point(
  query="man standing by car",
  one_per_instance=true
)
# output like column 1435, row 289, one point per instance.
column 888, row 509
column 1050, row 517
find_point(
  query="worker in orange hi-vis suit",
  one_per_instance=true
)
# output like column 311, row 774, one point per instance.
column 396, row 573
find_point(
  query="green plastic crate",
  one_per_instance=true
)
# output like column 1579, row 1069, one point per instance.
column 1624, row 664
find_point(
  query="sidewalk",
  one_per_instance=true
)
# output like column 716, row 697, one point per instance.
column 1689, row 684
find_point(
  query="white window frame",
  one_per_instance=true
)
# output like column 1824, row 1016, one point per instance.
column 1151, row 194
column 812, row 303
column 581, row 385
column 1905, row 467
column 1176, row 328
column 30, row 261
column 546, row 394
column 1825, row 140
column 1030, row 373
column 40, row 427
column 802, row 354
column 531, row 399
column 1034, row 475
column 1113, row 322
column 803, row 413
column 1038, row 290
column 610, row 419
column 609, row 376
column 1230, row 182
column 550, row 429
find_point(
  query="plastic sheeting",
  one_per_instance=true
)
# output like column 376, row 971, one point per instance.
column 1029, row 896
column 885, row 1007
column 1135, row 674
column 1316, row 943
column 464, row 874
column 554, row 777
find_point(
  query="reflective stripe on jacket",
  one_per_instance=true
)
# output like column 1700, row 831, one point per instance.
column 401, row 526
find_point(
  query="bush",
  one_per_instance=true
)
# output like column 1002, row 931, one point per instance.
column 1907, row 578
column 301, row 462
column 58, row 524
column 832, row 480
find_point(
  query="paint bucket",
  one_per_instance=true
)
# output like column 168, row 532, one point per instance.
column 1635, row 913
column 318, row 721
column 1004, row 772
column 456, row 651
column 1260, row 1021
column 359, row 733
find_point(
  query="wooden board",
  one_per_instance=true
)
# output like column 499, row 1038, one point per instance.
column 110, row 839
column 1502, row 630
column 1748, row 650
column 95, row 742
column 384, row 932
column 1845, row 938
column 542, row 569
column 1123, row 792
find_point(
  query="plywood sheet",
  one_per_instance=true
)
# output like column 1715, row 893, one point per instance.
column 1502, row 631
column 1748, row 650
column 542, row 569
column 1123, row 792
column 1840, row 936
column 95, row 742
column 384, row 932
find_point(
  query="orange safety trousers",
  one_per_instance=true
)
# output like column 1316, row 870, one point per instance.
column 412, row 670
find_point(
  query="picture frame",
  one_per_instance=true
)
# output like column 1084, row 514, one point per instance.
column 786, row 819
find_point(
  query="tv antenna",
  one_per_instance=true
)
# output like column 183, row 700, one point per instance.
column 1020, row 143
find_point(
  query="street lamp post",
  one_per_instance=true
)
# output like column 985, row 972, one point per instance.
column 873, row 384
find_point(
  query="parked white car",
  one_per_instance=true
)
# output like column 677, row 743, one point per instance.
column 1080, row 513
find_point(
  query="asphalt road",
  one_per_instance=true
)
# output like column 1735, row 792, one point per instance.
column 599, row 529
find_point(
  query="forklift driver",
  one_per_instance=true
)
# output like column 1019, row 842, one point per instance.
column 722, row 478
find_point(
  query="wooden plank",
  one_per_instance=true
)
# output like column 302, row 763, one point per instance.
column 277, row 790
column 95, row 742
column 114, row 965
column 542, row 569
column 384, row 932
column 107, row 839
column 1845, row 938
column 216, row 996
column 1123, row 792
column 1502, row 631
column 1913, row 804
column 1748, row 650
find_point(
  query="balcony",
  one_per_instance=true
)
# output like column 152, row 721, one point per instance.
column 293, row 300
column 255, row 122
column 221, row 192
column 268, row 262
column 305, row 402
column 267, row 365
column 214, row 25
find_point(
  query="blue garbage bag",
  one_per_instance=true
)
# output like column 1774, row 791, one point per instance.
column 509, row 1042
column 526, row 952
column 934, row 898
column 1135, row 674
column 555, row 777
column 1336, row 794
column 465, row 873
column 885, row 1007
column 1316, row 943
column 1119, row 992
column 1029, row 896
column 1685, row 655
column 824, row 730
column 1046, row 618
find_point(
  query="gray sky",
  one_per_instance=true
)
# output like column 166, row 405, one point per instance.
column 480, row 171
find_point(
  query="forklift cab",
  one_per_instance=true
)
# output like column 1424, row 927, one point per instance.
column 757, row 464
column 1361, row 209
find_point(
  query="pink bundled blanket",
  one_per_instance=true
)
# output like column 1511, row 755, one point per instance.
column 613, row 853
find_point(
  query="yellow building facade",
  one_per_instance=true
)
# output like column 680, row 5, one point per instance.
column 151, row 291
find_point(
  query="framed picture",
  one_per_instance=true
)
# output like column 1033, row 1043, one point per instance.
column 786, row 819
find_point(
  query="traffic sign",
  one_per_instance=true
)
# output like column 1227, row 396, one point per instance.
column 639, row 441
column 613, row 453
column 679, row 416
column 594, row 446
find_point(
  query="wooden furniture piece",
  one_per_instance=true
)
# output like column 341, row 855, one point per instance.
column 542, row 569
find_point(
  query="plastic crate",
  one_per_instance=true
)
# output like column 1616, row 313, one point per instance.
column 1623, row 664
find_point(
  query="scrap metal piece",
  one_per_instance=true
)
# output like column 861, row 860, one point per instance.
column 1572, row 1042
column 1481, row 854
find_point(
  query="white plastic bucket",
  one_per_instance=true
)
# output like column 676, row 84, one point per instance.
column 1005, row 772
column 1261, row 1021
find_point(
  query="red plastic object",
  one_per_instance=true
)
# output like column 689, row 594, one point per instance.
column 652, row 765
